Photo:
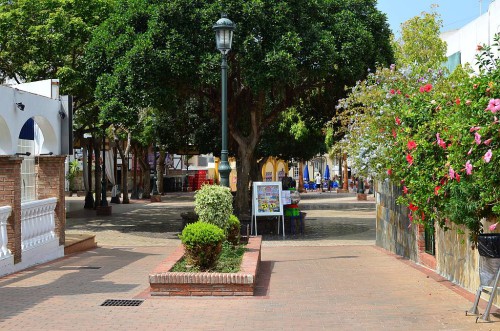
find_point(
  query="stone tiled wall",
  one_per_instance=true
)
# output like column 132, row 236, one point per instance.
column 454, row 258
column 394, row 231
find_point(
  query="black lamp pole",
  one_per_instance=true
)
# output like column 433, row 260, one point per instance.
column 104, row 201
column 223, row 36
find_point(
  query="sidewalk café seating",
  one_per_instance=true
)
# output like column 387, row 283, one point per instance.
column 306, row 186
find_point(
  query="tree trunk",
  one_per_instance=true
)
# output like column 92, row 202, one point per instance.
column 124, row 157
column 245, row 158
column 145, row 169
column 160, row 172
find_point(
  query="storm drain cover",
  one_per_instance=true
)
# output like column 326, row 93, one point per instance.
column 122, row 303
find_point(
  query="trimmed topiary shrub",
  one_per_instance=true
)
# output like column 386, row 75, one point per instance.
column 203, row 244
column 233, row 230
column 214, row 204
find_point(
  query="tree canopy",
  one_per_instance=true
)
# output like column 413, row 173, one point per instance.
column 285, row 54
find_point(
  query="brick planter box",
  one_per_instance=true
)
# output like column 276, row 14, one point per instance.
column 166, row 283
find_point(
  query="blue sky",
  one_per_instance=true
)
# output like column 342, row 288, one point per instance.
column 454, row 13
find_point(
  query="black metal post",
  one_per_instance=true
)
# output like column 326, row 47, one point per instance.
column 224, row 167
column 104, row 201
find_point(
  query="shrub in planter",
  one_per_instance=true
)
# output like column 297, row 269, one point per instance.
column 233, row 230
column 203, row 244
column 214, row 204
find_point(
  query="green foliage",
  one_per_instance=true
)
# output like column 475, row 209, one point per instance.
column 73, row 171
column 203, row 244
column 229, row 261
column 286, row 54
column 420, row 46
column 233, row 230
column 437, row 135
column 214, row 204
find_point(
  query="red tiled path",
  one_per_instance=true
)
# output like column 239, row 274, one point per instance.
column 302, row 288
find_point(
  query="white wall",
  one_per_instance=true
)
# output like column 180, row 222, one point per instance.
column 479, row 31
column 43, row 109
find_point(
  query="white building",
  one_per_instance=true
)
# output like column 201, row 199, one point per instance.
column 462, row 43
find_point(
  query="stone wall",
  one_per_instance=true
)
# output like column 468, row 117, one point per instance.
column 394, row 231
column 454, row 257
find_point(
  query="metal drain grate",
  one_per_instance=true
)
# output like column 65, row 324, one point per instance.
column 122, row 303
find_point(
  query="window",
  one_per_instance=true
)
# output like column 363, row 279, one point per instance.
column 28, row 175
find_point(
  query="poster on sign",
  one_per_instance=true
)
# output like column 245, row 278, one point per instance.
column 267, row 200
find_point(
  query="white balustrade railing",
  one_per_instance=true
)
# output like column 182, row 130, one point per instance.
column 37, row 222
column 4, row 215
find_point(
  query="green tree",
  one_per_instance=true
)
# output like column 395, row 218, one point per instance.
column 285, row 54
column 46, row 39
column 420, row 47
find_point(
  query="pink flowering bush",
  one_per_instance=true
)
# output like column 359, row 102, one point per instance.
column 439, row 136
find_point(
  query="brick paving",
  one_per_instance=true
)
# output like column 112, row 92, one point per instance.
column 343, row 282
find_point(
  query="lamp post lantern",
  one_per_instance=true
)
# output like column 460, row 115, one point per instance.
column 224, row 28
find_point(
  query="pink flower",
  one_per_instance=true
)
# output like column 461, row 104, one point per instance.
column 457, row 101
column 487, row 142
column 412, row 144
column 493, row 226
column 493, row 105
column 474, row 128
column 457, row 177
column 410, row 217
column 389, row 172
column 495, row 120
column 477, row 138
column 487, row 156
column 440, row 141
column 392, row 91
column 468, row 102
column 398, row 121
column 394, row 134
column 425, row 88
column 470, row 151
column 405, row 190
column 451, row 173
column 412, row 207
column 468, row 168
column 409, row 159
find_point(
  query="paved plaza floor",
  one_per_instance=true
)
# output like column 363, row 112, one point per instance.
column 332, row 278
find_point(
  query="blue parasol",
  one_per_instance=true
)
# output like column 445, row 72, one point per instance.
column 306, row 174
column 327, row 172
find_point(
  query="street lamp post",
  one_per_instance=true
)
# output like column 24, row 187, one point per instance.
column 224, row 28
column 104, row 201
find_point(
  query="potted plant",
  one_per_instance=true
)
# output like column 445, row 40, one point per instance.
column 73, row 171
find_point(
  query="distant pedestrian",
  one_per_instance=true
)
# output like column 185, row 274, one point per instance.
column 318, row 182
